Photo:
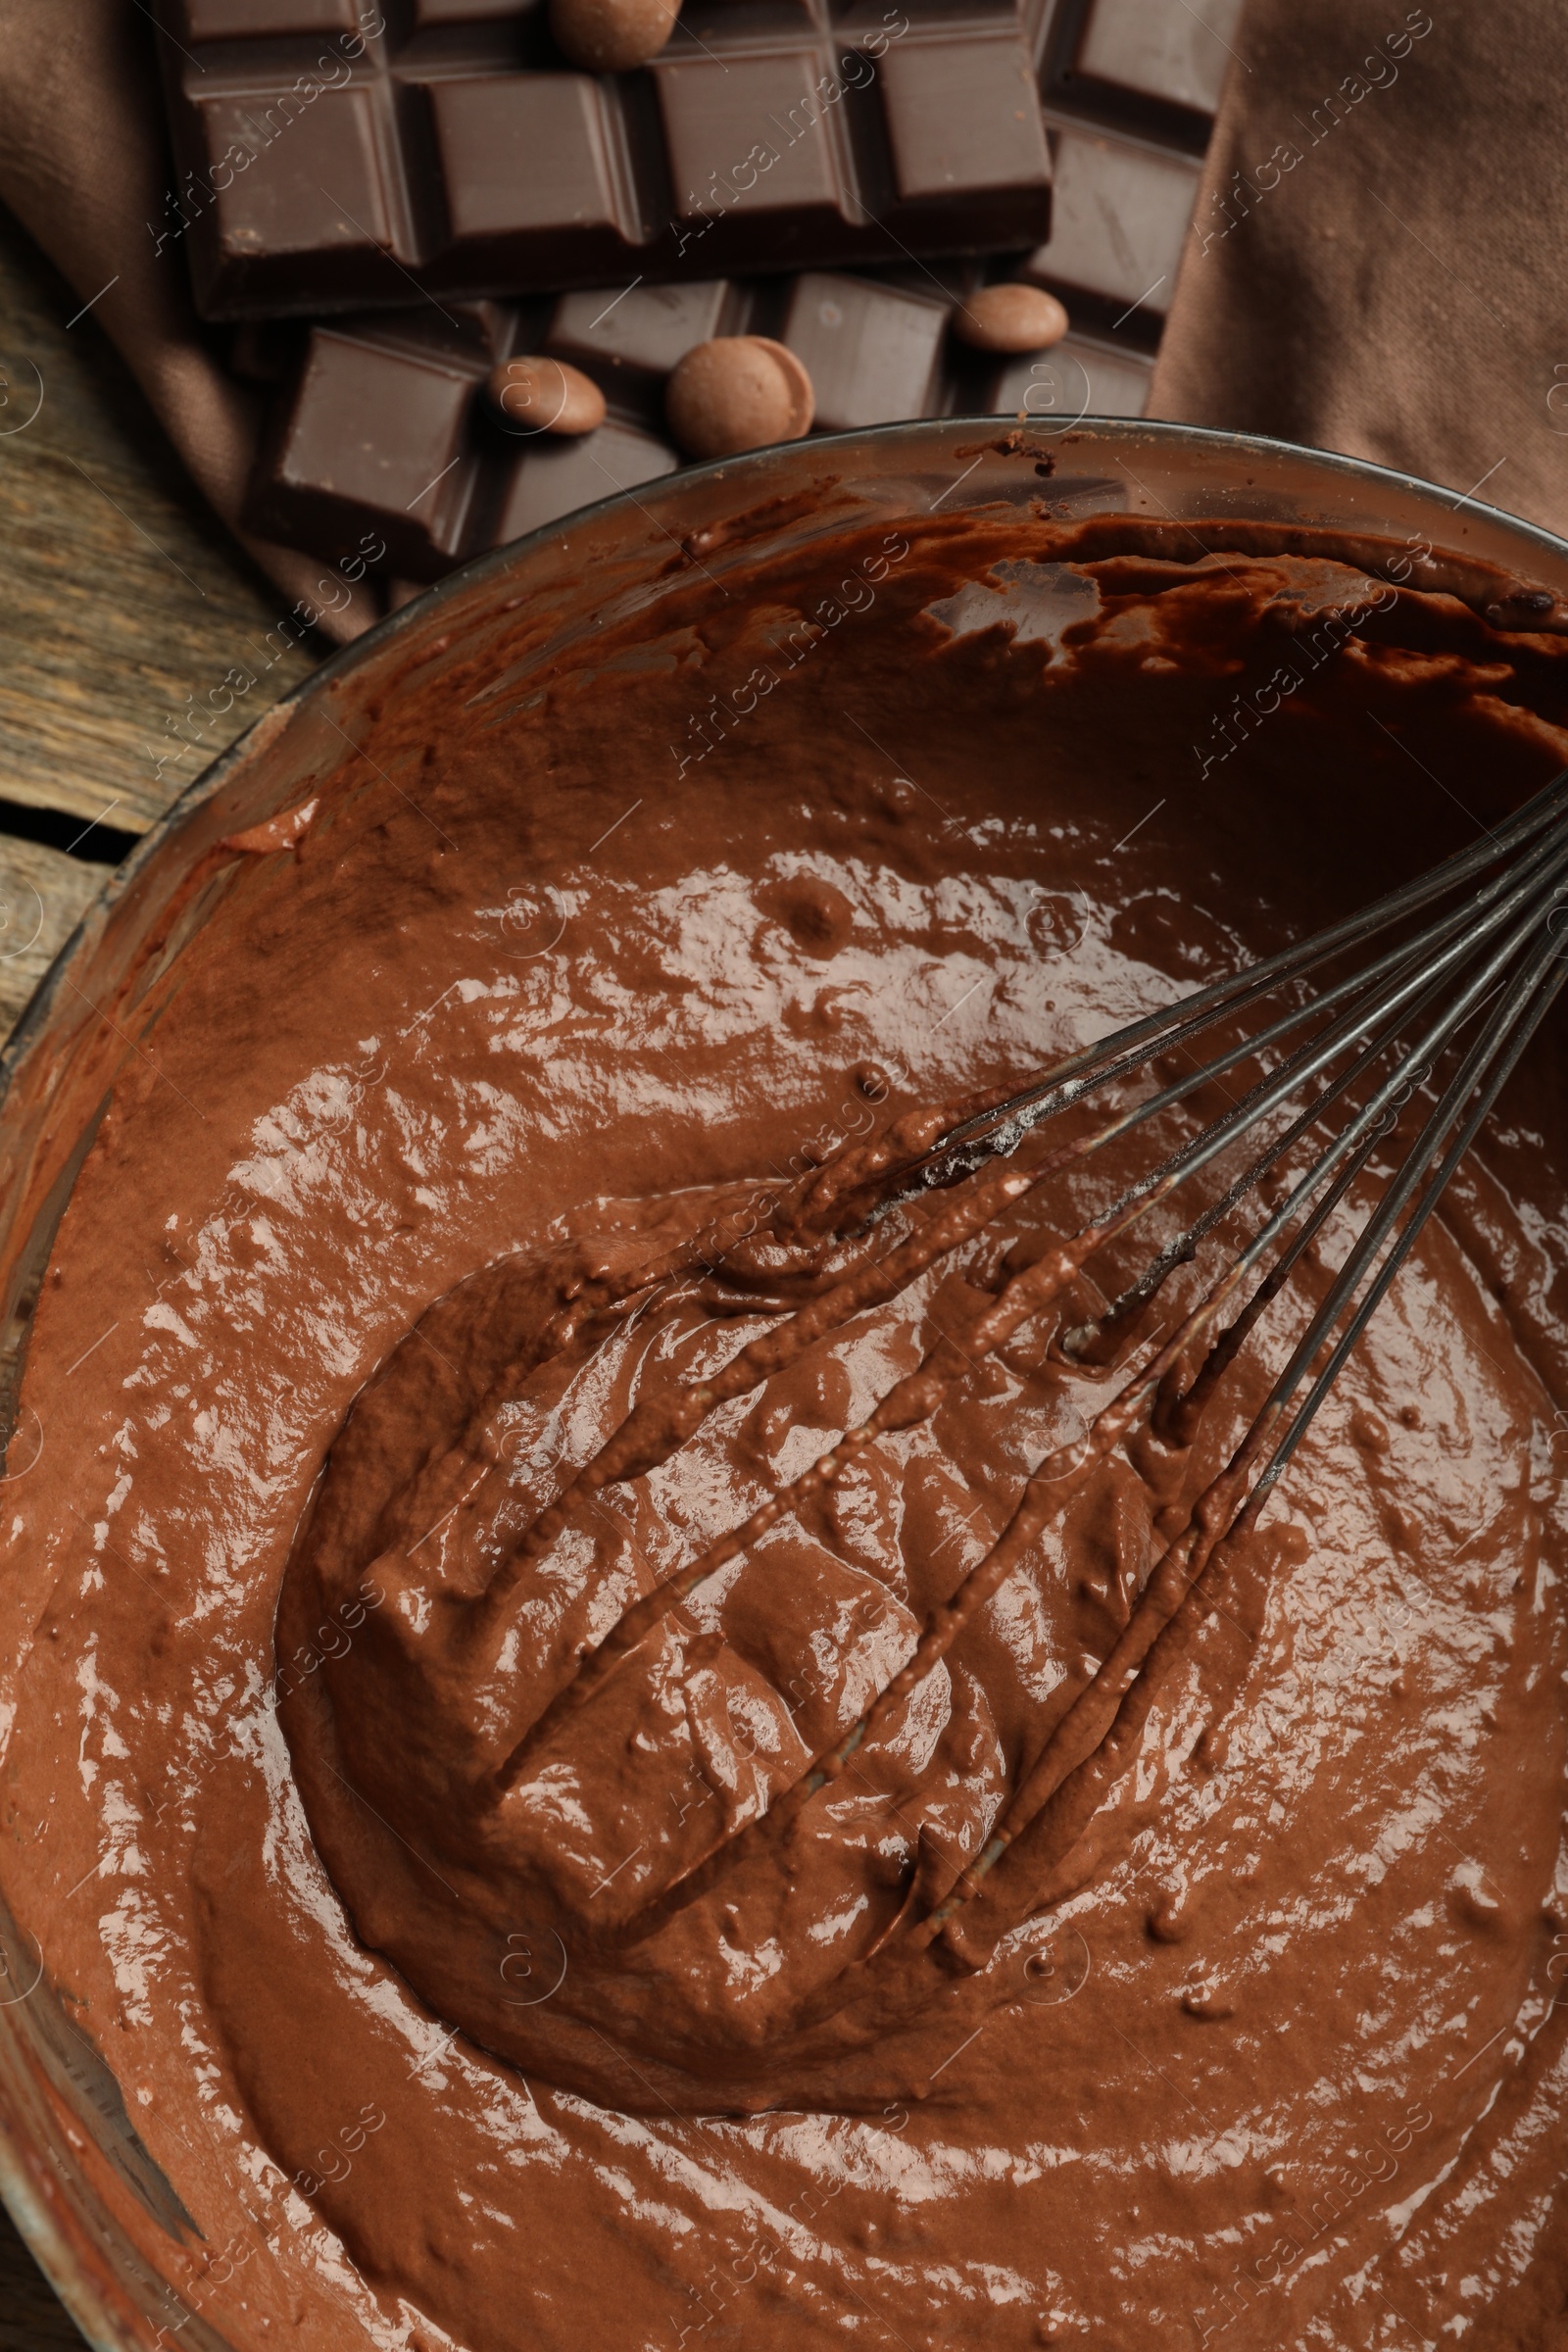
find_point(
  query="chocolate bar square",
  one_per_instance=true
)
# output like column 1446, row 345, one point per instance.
column 1077, row 378
column 525, row 151
column 551, row 478
column 748, row 134
column 1161, row 49
column 963, row 114
column 291, row 180
column 375, row 431
column 1122, row 209
column 871, row 351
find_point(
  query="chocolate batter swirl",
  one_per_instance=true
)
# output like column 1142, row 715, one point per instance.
column 744, row 1782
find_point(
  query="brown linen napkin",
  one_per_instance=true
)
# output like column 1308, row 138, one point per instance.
column 84, row 168
column 1376, row 260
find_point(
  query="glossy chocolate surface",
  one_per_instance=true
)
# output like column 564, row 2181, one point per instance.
column 552, row 960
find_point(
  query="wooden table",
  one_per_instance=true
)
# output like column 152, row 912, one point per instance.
column 119, row 596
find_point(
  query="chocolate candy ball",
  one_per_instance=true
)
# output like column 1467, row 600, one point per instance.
column 611, row 37
column 1011, row 317
column 738, row 392
column 544, row 395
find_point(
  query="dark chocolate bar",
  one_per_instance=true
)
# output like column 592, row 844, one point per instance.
column 335, row 153
column 384, row 434
column 438, row 477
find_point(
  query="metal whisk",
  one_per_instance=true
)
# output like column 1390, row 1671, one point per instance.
column 1444, row 1012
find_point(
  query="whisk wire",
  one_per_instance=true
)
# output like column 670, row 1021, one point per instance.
column 1502, row 1043
column 1413, row 993
column 1129, row 1049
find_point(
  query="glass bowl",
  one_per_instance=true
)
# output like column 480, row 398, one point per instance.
column 107, row 2227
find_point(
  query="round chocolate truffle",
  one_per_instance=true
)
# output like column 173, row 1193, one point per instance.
column 611, row 37
column 544, row 395
column 1011, row 317
column 738, row 392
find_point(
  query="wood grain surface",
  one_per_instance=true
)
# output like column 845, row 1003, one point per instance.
column 120, row 596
